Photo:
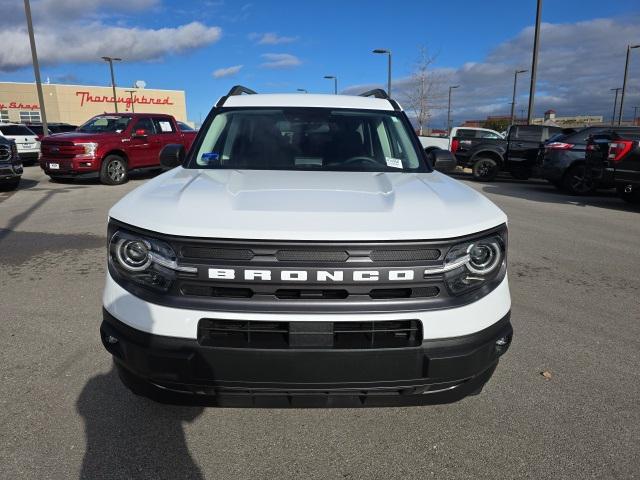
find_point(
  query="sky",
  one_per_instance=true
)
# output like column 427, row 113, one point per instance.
column 205, row 47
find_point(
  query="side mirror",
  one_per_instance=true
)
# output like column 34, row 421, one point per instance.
column 443, row 160
column 140, row 133
column 171, row 156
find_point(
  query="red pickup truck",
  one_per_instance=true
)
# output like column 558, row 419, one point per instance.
column 109, row 146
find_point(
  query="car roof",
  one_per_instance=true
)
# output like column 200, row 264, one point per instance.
column 311, row 100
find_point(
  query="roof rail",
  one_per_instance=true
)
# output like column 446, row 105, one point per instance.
column 376, row 92
column 239, row 90
column 235, row 90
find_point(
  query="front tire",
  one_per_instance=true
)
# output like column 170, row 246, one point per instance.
column 632, row 197
column 485, row 169
column 10, row 184
column 576, row 181
column 114, row 170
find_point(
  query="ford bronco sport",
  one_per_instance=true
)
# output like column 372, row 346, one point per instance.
column 305, row 251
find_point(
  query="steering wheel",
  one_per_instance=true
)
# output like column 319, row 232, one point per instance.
column 361, row 159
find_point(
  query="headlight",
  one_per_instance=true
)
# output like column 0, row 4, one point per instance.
column 146, row 261
column 472, row 264
column 89, row 148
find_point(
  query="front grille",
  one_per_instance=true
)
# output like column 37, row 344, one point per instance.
column 217, row 253
column 311, row 256
column 404, row 255
column 317, row 335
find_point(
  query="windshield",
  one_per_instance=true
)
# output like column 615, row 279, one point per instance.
column 106, row 124
column 15, row 130
column 308, row 139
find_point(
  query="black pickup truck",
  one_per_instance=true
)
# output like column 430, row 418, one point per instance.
column 10, row 165
column 613, row 158
column 516, row 154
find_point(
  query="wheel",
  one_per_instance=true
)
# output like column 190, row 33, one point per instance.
column 114, row 170
column 10, row 184
column 485, row 169
column 576, row 181
column 632, row 197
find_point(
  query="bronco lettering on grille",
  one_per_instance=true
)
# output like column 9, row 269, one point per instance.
column 314, row 276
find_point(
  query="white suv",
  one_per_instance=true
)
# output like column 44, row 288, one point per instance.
column 26, row 141
column 303, row 251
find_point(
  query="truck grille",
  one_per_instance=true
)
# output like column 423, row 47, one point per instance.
column 322, row 335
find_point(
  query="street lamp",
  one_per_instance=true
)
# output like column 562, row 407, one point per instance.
column 388, row 53
column 615, row 104
column 36, row 67
column 303, row 90
column 335, row 82
column 513, row 99
column 624, row 82
column 131, row 92
column 451, row 87
column 113, row 82
column 534, row 63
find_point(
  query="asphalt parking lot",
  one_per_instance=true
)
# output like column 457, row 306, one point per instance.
column 574, row 281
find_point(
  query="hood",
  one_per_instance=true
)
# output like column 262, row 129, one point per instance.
column 78, row 136
column 294, row 205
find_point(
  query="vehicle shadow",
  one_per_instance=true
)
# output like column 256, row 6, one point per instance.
column 135, row 175
column 132, row 437
column 538, row 190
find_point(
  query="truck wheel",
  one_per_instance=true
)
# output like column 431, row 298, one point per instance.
column 114, row 170
column 632, row 197
column 576, row 181
column 485, row 169
column 10, row 184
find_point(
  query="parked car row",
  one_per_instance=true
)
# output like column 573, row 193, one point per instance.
column 576, row 161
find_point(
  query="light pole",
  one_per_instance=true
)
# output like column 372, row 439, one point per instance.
column 513, row 99
column 615, row 104
column 302, row 90
column 113, row 81
column 635, row 114
column 36, row 67
column 131, row 92
column 534, row 63
column 451, row 87
column 624, row 82
column 335, row 82
column 388, row 53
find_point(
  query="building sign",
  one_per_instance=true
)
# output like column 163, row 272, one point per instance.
column 19, row 106
column 86, row 97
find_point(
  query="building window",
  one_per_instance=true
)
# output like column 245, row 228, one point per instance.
column 30, row 116
column 4, row 115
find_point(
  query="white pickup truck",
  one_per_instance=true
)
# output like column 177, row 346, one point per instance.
column 444, row 143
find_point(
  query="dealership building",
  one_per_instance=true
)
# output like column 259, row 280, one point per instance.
column 75, row 104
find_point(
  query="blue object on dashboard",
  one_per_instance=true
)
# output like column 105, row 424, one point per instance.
column 210, row 157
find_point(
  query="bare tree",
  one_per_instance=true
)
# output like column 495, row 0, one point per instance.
column 424, row 89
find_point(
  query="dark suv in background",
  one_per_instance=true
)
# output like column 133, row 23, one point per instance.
column 613, row 158
column 10, row 165
column 562, row 161
column 517, row 154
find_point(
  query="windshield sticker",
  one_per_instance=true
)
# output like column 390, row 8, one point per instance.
column 208, row 158
column 393, row 162
column 165, row 126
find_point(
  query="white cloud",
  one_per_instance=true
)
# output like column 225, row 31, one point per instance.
column 578, row 64
column 280, row 60
column 226, row 72
column 271, row 38
column 83, row 31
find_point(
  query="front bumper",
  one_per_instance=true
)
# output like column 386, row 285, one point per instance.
column 439, row 370
column 78, row 167
column 9, row 171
